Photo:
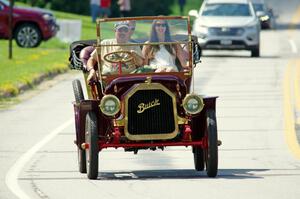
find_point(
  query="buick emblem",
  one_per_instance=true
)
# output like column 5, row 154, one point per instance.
column 144, row 106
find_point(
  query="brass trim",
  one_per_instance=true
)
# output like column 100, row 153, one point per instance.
column 98, row 32
column 198, row 98
column 151, row 86
column 188, row 73
column 114, row 98
column 88, row 88
column 182, row 120
column 148, row 80
column 142, row 18
column 149, row 43
column 120, row 122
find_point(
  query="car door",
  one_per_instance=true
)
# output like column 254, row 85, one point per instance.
column 3, row 20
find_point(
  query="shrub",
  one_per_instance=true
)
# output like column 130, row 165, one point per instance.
column 82, row 7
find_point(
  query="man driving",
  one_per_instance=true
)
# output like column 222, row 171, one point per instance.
column 122, row 36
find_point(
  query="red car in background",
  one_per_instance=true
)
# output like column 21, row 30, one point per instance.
column 30, row 25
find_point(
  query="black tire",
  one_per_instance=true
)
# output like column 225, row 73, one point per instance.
column 77, row 88
column 28, row 35
column 91, row 137
column 198, row 158
column 78, row 94
column 211, row 153
column 255, row 52
column 273, row 25
column 81, row 160
column 200, row 51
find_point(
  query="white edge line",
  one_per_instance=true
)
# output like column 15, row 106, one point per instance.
column 11, row 178
column 293, row 46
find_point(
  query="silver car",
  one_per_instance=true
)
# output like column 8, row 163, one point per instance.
column 227, row 25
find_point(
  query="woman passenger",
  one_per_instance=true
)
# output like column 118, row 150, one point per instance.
column 163, row 56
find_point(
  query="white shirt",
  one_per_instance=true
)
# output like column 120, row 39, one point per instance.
column 107, row 67
column 163, row 59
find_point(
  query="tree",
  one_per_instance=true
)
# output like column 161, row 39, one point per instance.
column 151, row 7
column 82, row 7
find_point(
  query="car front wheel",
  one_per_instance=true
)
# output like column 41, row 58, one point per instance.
column 28, row 35
column 91, row 138
column 198, row 158
column 211, row 153
column 255, row 52
column 78, row 94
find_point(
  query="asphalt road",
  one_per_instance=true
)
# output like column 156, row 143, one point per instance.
column 257, row 112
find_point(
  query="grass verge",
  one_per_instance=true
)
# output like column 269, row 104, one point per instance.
column 189, row 5
column 30, row 66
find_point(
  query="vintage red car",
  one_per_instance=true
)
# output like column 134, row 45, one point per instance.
column 149, row 107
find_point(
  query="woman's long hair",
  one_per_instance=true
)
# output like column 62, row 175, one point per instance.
column 154, row 38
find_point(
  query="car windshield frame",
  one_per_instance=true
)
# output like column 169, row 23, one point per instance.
column 230, row 12
column 184, row 39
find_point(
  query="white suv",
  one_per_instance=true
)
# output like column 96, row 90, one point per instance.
column 227, row 25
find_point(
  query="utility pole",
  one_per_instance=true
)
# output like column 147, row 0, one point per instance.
column 10, row 22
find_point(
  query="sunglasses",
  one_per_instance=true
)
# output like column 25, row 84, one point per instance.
column 160, row 25
column 123, row 29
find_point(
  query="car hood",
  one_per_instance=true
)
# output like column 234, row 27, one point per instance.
column 25, row 10
column 225, row 21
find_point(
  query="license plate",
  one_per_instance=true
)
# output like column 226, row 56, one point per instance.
column 226, row 42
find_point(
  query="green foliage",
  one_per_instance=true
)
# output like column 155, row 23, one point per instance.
column 189, row 5
column 73, row 6
column 151, row 7
column 145, row 7
column 38, row 3
column 82, row 7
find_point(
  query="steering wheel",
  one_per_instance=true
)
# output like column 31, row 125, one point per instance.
column 119, row 57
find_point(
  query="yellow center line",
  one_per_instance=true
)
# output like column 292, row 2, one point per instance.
column 297, row 87
column 289, row 118
column 291, row 98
